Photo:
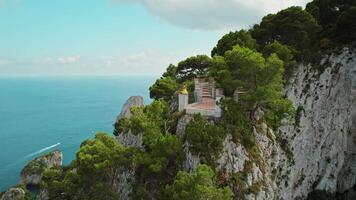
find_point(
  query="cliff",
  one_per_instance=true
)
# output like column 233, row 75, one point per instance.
column 323, row 139
column 123, row 182
column 14, row 194
column 31, row 174
column 310, row 156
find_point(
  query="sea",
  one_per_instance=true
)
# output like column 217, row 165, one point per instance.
column 42, row 114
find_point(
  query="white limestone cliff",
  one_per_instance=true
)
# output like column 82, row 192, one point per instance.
column 323, row 141
column 123, row 182
column 31, row 174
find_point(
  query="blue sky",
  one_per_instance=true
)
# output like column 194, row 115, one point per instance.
column 117, row 37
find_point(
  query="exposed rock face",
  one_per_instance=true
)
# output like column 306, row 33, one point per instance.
column 14, row 194
column 236, row 159
column 31, row 174
column 129, row 139
column 123, row 182
column 324, row 139
column 43, row 195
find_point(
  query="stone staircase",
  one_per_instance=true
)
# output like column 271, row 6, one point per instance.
column 206, row 90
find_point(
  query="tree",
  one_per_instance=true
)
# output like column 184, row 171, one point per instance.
column 260, row 78
column 205, row 138
column 171, row 71
column 327, row 13
column 227, row 42
column 293, row 27
column 283, row 53
column 198, row 185
column 92, row 173
column 164, row 88
column 163, row 153
column 223, row 75
column 192, row 66
column 346, row 25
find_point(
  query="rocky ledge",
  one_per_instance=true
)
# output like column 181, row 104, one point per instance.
column 31, row 174
column 14, row 193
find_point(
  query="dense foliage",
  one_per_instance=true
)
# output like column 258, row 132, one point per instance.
column 293, row 27
column 199, row 185
column 205, row 138
column 192, row 67
column 227, row 42
column 93, row 172
column 337, row 19
column 164, row 88
column 162, row 155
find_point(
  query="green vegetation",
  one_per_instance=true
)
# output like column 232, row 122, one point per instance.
column 256, row 62
column 205, row 138
column 34, row 167
column 162, row 155
column 337, row 19
column 285, row 54
column 260, row 78
column 199, row 185
column 227, row 42
column 192, row 67
column 293, row 27
column 164, row 88
column 90, row 176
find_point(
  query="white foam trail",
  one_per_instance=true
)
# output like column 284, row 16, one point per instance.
column 42, row 150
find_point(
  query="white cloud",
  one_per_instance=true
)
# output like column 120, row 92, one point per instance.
column 61, row 60
column 146, row 62
column 213, row 14
column 5, row 62
column 69, row 59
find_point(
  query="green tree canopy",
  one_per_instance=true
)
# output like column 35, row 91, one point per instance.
column 163, row 152
column 205, row 138
column 193, row 66
column 91, row 176
column 260, row 78
column 164, row 88
column 171, row 71
column 283, row 53
column 327, row 13
column 227, row 42
column 293, row 27
column 346, row 25
column 199, row 185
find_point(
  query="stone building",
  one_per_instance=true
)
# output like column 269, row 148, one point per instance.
column 206, row 96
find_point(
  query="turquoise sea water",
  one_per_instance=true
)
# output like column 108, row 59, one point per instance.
column 40, row 114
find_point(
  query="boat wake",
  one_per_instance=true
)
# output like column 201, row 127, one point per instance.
column 42, row 150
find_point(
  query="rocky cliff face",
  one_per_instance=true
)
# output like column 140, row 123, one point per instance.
column 323, row 140
column 13, row 194
column 31, row 174
column 316, row 152
column 250, row 175
column 128, row 139
column 123, row 183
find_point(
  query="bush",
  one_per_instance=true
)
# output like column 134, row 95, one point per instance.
column 164, row 88
column 205, row 138
column 227, row 42
column 198, row 185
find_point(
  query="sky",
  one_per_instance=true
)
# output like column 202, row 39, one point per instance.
column 117, row 37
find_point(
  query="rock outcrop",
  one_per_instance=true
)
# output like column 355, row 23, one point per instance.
column 31, row 174
column 13, row 194
column 316, row 152
column 123, row 182
column 129, row 139
column 323, row 139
